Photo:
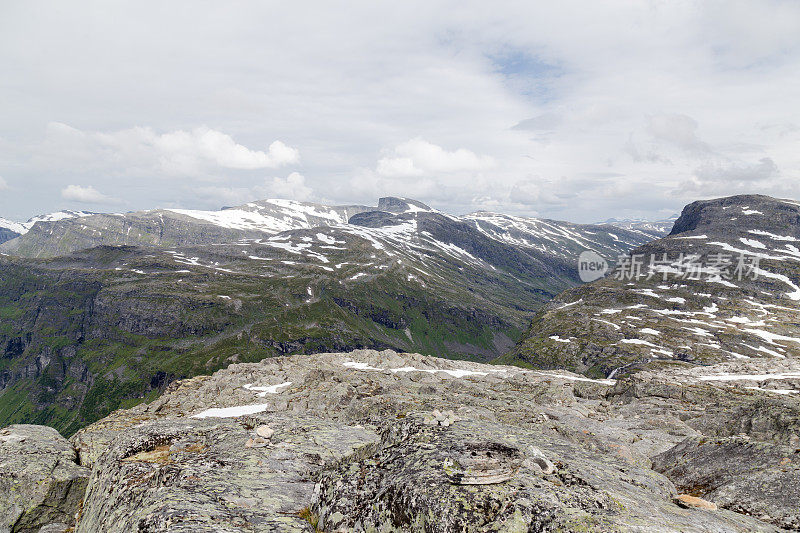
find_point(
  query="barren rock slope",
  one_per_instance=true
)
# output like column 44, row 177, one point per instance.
column 379, row 441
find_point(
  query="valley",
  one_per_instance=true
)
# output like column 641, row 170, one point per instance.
column 112, row 325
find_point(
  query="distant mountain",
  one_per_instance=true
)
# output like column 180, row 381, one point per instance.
column 68, row 231
column 653, row 229
column 84, row 332
column 723, row 285
column 181, row 227
column 15, row 227
column 11, row 230
column 174, row 227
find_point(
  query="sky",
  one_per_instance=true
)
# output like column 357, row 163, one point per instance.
column 574, row 110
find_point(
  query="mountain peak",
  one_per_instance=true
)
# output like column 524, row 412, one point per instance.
column 728, row 213
column 393, row 204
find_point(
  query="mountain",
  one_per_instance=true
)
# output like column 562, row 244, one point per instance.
column 182, row 227
column 85, row 333
column 654, row 229
column 380, row 441
column 10, row 230
column 723, row 285
column 59, row 235
column 169, row 367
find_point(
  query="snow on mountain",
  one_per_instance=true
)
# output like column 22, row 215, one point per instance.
column 16, row 227
column 23, row 227
column 724, row 285
column 654, row 228
column 558, row 238
column 62, row 233
column 275, row 215
column 58, row 215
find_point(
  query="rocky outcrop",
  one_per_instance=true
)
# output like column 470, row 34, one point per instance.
column 201, row 475
column 380, row 441
column 760, row 479
column 41, row 483
column 716, row 215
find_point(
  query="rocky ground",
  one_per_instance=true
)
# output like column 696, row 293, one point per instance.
column 378, row 441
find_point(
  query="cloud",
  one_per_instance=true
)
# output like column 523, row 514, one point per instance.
column 488, row 94
column 543, row 122
column 723, row 178
column 417, row 157
column 679, row 130
column 292, row 187
column 3, row 183
column 85, row 195
column 764, row 169
column 179, row 147
column 538, row 192
column 199, row 151
column 216, row 196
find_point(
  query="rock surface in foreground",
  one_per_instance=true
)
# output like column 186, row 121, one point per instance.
column 40, row 480
column 377, row 441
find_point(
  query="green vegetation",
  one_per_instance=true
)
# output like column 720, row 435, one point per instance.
column 81, row 337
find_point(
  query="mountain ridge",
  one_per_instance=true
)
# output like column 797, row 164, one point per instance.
column 745, row 307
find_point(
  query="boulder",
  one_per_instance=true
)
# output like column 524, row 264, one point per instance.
column 41, row 483
column 757, row 478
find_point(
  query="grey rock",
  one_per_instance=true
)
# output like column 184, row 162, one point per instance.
column 216, row 484
column 40, row 480
column 752, row 477
column 354, row 449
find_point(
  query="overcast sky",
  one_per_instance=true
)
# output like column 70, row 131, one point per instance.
column 571, row 110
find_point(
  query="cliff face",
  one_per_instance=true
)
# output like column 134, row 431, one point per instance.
column 7, row 234
column 380, row 441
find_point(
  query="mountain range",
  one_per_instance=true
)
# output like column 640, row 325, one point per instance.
column 654, row 228
column 104, row 310
column 210, row 370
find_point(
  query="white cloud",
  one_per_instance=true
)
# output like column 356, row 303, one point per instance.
column 764, row 169
column 538, row 192
column 85, row 195
column 195, row 153
column 677, row 129
column 398, row 167
column 507, row 104
column 216, row 196
column 292, row 186
column 417, row 157
column 203, row 143
column 3, row 183
column 733, row 177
